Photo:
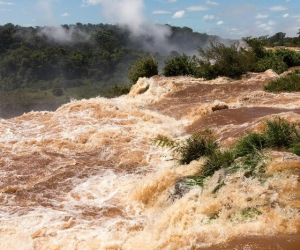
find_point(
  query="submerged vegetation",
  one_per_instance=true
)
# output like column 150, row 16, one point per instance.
column 290, row 83
column 198, row 145
column 246, row 154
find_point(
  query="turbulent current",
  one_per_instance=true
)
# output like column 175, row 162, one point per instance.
column 87, row 176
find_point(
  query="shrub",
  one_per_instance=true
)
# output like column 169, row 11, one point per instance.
column 280, row 133
column 222, row 60
column 290, row 58
column 181, row 66
column 145, row 67
column 249, row 144
column 271, row 62
column 190, row 149
column 117, row 90
column 289, row 83
column 246, row 154
column 207, row 71
column 257, row 46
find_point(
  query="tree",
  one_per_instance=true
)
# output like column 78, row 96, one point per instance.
column 181, row 66
column 145, row 67
column 221, row 60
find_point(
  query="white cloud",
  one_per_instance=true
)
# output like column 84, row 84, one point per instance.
column 160, row 12
column 271, row 23
column 268, row 26
column 211, row 2
column 91, row 2
column 209, row 18
column 286, row 15
column 278, row 8
column 220, row 23
column 4, row 10
column 65, row 14
column 196, row 8
column 261, row 16
column 179, row 14
column 6, row 3
column 172, row 1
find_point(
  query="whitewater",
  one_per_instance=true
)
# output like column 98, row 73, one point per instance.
column 88, row 176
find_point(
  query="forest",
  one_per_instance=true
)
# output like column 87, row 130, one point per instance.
column 51, row 65
column 72, row 55
column 43, row 67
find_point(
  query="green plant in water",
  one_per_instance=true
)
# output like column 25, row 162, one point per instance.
column 290, row 83
column 249, row 144
column 246, row 154
column 295, row 148
column 192, row 148
column 250, row 212
column 117, row 90
column 218, row 187
column 215, row 161
column 280, row 133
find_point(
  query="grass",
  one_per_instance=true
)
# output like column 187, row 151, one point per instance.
column 249, row 144
column 290, row 83
column 246, row 154
column 280, row 133
column 192, row 148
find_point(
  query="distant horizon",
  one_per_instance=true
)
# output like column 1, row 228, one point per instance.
column 233, row 20
column 115, row 24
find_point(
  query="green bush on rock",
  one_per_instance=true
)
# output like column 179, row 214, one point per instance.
column 181, row 66
column 246, row 154
column 145, row 67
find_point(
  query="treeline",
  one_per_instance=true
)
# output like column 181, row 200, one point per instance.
column 82, row 54
column 232, row 60
column 279, row 39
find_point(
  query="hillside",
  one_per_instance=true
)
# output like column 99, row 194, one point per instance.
column 51, row 65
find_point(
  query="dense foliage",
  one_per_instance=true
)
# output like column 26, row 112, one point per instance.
column 145, row 67
column 289, row 83
column 55, row 64
column 246, row 154
column 221, row 60
column 181, row 65
column 73, row 55
column 232, row 60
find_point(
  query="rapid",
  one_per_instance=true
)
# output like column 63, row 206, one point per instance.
column 88, row 177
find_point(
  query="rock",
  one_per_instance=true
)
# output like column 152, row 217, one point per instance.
column 218, row 105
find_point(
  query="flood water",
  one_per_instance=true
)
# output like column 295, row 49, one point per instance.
column 87, row 176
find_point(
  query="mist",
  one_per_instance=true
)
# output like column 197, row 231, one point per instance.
column 61, row 34
column 129, row 14
column 54, row 31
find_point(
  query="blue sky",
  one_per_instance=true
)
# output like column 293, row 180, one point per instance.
column 228, row 19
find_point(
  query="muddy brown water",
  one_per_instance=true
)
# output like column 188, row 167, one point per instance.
column 235, row 116
column 87, row 176
column 282, row 242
